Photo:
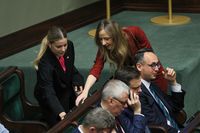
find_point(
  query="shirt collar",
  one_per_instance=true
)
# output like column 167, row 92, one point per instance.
column 146, row 83
column 79, row 128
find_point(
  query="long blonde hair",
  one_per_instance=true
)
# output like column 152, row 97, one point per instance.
column 119, row 52
column 54, row 34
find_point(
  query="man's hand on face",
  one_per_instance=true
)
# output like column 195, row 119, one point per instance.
column 134, row 102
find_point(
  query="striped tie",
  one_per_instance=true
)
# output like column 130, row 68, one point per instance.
column 162, row 106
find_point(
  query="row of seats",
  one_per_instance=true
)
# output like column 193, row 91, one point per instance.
column 16, row 112
column 21, row 116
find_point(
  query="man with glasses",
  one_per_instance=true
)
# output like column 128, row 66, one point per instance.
column 115, row 98
column 158, row 107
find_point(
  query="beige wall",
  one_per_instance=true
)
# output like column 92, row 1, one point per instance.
column 19, row 14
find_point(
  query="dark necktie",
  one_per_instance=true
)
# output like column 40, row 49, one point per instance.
column 118, row 126
column 163, row 108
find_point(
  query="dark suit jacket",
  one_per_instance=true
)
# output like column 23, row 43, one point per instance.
column 133, row 123
column 54, row 87
column 153, row 113
column 76, row 130
column 129, row 122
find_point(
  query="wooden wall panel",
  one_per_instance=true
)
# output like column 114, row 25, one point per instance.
column 31, row 36
column 192, row 6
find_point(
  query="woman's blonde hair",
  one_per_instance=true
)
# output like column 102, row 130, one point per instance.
column 119, row 52
column 54, row 34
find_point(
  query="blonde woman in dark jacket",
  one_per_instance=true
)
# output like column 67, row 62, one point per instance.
column 57, row 77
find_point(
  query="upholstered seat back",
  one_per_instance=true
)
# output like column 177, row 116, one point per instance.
column 17, row 114
column 12, row 105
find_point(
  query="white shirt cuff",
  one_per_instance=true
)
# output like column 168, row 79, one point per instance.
column 176, row 88
column 138, row 114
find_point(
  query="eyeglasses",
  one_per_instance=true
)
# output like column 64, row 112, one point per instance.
column 154, row 65
column 122, row 102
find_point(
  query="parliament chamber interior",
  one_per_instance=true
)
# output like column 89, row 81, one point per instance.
column 177, row 46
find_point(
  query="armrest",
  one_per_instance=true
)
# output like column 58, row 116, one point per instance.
column 25, row 126
column 76, row 113
column 181, row 118
column 157, row 129
column 192, row 123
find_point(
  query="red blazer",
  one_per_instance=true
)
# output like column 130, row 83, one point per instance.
column 137, row 40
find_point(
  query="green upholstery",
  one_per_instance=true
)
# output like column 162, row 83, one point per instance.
column 17, row 114
column 11, row 98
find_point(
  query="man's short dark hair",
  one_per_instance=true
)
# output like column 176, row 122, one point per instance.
column 126, row 74
column 140, row 55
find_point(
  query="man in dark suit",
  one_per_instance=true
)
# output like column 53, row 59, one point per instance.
column 97, row 120
column 158, row 107
column 131, row 76
column 115, row 98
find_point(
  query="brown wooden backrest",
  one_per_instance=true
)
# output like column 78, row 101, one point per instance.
column 192, row 124
column 12, row 91
column 76, row 113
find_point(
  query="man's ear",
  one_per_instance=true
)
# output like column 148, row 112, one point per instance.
column 110, row 101
column 92, row 129
column 139, row 66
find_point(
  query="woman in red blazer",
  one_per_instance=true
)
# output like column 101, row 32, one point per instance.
column 57, row 77
column 117, row 46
